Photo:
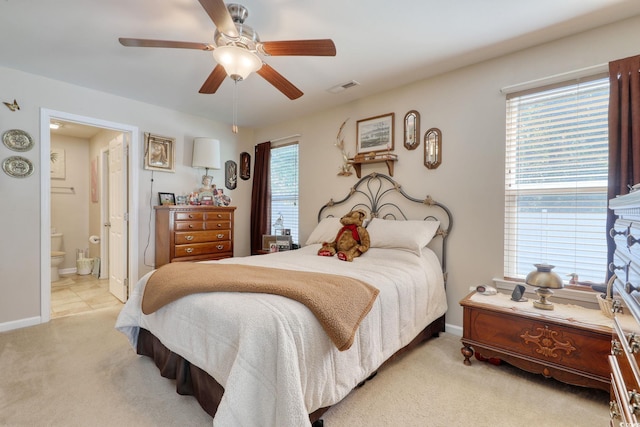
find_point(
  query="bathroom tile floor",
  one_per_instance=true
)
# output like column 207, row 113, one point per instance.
column 74, row 294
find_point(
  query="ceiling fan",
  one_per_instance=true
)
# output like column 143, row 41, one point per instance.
column 236, row 48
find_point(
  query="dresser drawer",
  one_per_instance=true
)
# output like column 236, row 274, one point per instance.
column 548, row 343
column 186, row 237
column 202, row 216
column 198, row 249
column 202, row 225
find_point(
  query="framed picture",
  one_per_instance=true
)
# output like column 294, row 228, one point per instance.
column 159, row 153
column 245, row 165
column 167, row 198
column 58, row 163
column 375, row 134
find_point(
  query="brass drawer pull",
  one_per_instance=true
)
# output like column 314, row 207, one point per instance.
column 634, row 343
column 219, row 225
column 613, row 267
column 191, row 216
column 220, row 247
column 616, row 347
column 219, row 216
column 613, row 233
column 629, row 288
column 190, row 225
column 189, row 250
column 189, row 238
column 220, row 236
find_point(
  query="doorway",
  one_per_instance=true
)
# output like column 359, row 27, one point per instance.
column 127, row 255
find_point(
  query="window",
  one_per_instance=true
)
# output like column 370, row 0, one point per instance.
column 556, row 180
column 284, row 188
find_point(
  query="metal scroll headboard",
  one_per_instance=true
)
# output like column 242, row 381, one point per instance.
column 383, row 197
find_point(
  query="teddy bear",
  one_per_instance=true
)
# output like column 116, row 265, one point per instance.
column 351, row 241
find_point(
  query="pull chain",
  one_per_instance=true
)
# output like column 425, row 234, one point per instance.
column 234, row 127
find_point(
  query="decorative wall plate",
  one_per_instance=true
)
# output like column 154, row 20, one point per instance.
column 17, row 167
column 17, row 140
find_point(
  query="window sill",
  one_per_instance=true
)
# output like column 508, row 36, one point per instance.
column 561, row 296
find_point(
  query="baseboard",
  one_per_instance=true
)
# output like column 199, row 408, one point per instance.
column 68, row 271
column 453, row 329
column 22, row 323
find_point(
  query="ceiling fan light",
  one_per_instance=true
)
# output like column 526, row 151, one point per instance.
column 237, row 62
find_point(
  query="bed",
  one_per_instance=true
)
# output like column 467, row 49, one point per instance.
column 262, row 359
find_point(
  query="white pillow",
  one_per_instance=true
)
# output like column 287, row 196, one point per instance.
column 410, row 235
column 325, row 231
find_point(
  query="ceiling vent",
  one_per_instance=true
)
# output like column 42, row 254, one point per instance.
column 343, row 86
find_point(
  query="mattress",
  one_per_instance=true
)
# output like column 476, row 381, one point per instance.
column 271, row 355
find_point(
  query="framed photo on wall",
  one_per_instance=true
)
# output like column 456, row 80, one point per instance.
column 375, row 134
column 159, row 153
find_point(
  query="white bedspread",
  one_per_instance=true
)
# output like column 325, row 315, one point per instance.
column 271, row 355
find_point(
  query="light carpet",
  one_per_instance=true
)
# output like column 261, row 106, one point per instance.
column 79, row 371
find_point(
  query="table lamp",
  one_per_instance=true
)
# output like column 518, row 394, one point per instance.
column 545, row 280
column 206, row 154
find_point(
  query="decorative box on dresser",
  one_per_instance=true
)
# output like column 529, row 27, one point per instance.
column 193, row 233
column 625, row 344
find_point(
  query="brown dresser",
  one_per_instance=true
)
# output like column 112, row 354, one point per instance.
column 193, row 233
column 625, row 344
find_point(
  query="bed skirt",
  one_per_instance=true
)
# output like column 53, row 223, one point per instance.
column 193, row 381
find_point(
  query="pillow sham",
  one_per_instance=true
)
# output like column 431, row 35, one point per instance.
column 407, row 235
column 325, row 231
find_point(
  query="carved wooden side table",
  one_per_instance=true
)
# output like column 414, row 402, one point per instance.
column 570, row 343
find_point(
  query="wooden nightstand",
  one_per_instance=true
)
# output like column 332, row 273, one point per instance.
column 570, row 343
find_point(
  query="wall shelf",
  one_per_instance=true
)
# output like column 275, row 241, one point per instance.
column 357, row 164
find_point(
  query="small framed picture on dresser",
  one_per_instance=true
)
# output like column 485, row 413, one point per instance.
column 167, row 199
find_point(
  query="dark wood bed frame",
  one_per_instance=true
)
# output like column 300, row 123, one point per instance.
column 376, row 193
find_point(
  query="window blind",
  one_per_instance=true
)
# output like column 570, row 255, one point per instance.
column 284, row 188
column 556, row 180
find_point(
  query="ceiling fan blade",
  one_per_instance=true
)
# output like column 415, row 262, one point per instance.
column 214, row 80
column 279, row 82
column 163, row 43
column 217, row 11
column 321, row 47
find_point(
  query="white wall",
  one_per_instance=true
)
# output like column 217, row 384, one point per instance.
column 20, row 215
column 467, row 106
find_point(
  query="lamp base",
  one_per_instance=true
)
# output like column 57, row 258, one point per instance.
column 542, row 303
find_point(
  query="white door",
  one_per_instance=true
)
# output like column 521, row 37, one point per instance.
column 118, row 217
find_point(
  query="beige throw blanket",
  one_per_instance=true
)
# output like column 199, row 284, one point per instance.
column 338, row 302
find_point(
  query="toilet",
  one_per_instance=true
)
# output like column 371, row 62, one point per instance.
column 57, row 256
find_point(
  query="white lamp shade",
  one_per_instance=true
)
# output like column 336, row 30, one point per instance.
column 237, row 62
column 206, row 153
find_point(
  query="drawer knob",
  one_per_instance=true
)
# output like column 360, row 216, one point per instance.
column 220, row 247
column 189, row 250
column 219, row 216
column 219, row 225
column 220, row 236
column 616, row 347
column 190, row 225
column 613, row 233
column 189, row 238
column 191, row 216
column 631, row 241
column 629, row 288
